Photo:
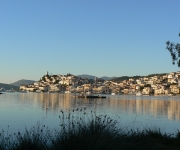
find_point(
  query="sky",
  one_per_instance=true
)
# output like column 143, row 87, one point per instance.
column 95, row 37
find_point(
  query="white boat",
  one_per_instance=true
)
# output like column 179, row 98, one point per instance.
column 88, row 93
column 67, row 92
column 138, row 94
column 113, row 94
column 10, row 91
column 2, row 90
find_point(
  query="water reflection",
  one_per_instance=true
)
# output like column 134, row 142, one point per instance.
column 25, row 109
column 159, row 107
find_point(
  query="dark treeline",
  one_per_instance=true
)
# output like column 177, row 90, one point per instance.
column 119, row 79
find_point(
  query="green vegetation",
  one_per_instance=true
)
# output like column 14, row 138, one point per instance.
column 174, row 50
column 147, row 85
column 56, row 82
column 119, row 79
column 43, row 78
column 80, row 130
column 157, row 74
column 126, row 78
column 165, row 80
column 54, row 75
column 141, row 88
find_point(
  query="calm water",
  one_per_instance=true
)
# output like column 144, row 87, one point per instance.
column 20, row 110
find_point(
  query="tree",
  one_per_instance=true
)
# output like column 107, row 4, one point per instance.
column 174, row 50
column 141, row 88
column 43, row 78
column 147, row 85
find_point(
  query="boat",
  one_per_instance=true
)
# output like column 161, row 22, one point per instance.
column 88, row 93
column 95, row 96
column 113, row 94
column 2, row 90
column 10, row 91
column 38, row 91
column 52, row 91
column 82, row 95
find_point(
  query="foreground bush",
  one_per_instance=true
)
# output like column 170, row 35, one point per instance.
column 80, row 131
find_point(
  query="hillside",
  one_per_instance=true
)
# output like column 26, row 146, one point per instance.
column 8, row 86
column 135, row 77
column 107, row 78
column 93, row 77
column 86, row 76
column 125, row 78
column 23, row 81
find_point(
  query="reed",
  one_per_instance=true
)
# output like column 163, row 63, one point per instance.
column 79, row 129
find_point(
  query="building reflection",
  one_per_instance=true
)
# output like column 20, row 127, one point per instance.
column 158, row 108
column 164, row 108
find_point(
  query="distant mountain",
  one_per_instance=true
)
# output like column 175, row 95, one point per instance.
column 93, row 77
column 108, row 78
column 23, row 81
column 8, row 86
column 86, row 76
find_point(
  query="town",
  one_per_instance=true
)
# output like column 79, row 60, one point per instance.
column 168, row 84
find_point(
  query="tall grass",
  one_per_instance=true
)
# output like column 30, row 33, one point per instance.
column 79, row 130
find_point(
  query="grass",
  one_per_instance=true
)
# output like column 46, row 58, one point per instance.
column 81, row 131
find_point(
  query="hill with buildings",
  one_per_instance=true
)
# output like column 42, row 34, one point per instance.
column 153, row 84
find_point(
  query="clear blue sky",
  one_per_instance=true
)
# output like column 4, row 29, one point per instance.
column 95, row 37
